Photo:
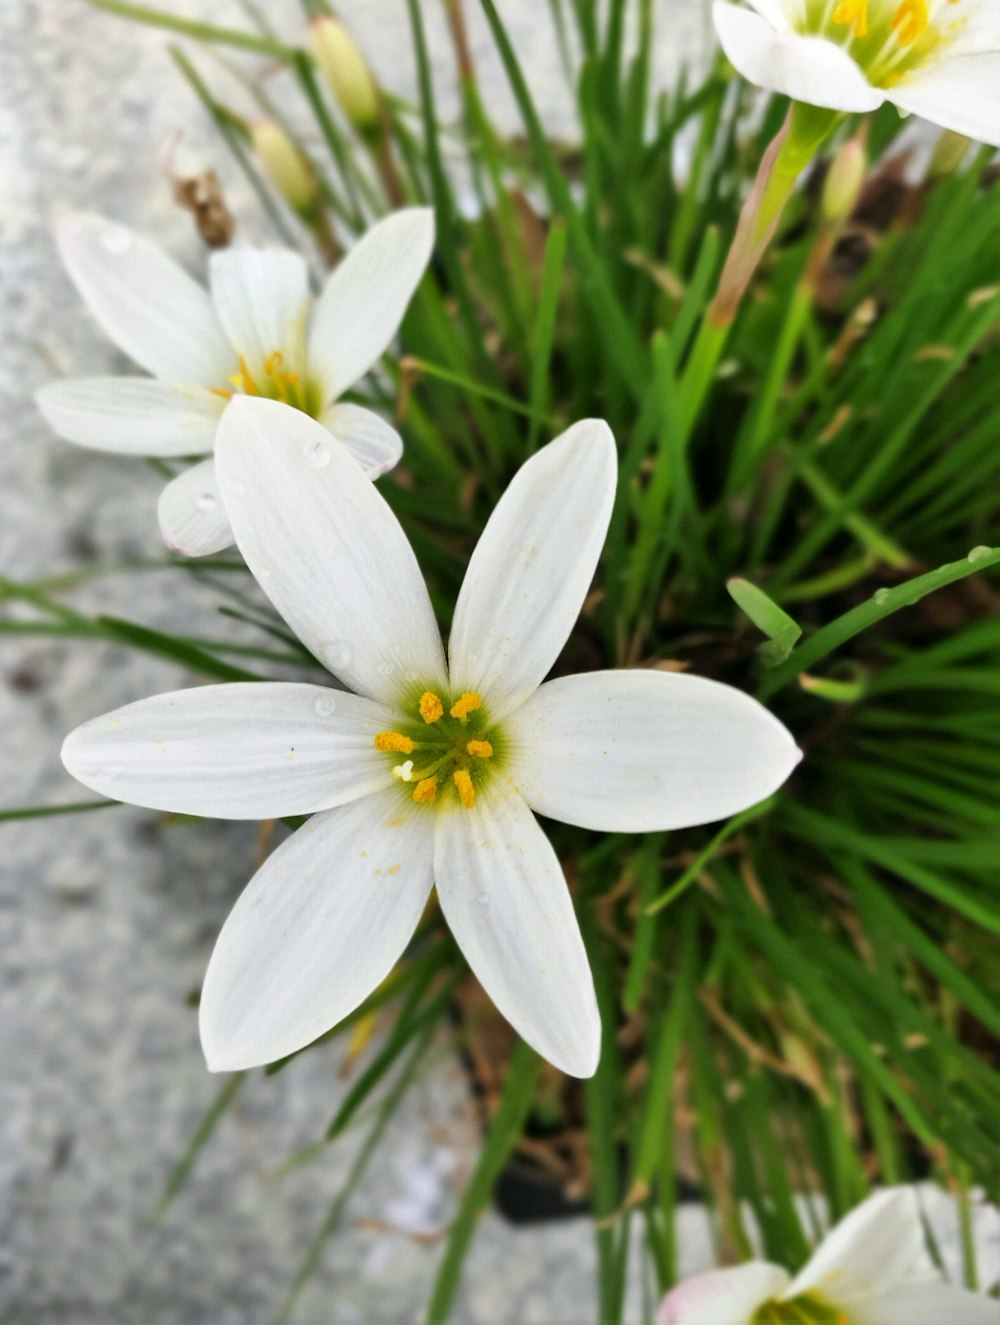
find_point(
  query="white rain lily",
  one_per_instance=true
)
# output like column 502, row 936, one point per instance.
column 935, row 58
column 871, row 1269
column 430, row 771
column 256, row 331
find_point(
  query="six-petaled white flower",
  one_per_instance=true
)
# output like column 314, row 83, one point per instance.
column 937, row 58
column 871, row 1269
column 431, row 770
column 256, row 332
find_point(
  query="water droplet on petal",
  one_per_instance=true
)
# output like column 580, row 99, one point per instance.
column 264, row 574
column 880, row 595
column 483, row 899
column 335, row 654
column 240, row 489
column 109, row 772
column 115, row 239
column 979, row 553
column 207, row 502
column 385, row 669
column 324, row 705
column 317, row 454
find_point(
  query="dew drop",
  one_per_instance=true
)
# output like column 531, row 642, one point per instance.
column 116, row 240
column 207, row 502
column 264, row 574
column 483, row 899
column 979, row 553
column 880, row 595
column 324, row 705
column 240, row 489
column 385, row 669
column 109, row 772
column 335, row 654
column 317, row 454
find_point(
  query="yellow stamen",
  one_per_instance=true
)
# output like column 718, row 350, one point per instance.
column 246, row 377
column 466, row 704
column 394, row 741
column 431, row 707
column 910, row 21
column 481, row 749
column 426, row 790
column 218, row 391
column 855, row 14
column 272, row 361
column 466, row 792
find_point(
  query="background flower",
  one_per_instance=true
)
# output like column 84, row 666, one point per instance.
column 256, row 331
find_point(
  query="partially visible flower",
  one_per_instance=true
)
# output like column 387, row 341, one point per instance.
column 871, row 1269
column 256, row 331
column 842, row 186
column 346, row 72
column 430, row 772
column 937, row 58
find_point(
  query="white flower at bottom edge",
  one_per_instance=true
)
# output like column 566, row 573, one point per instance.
column 871, row 1269
column 430, row 771
column 935, row 58
column 256, row 331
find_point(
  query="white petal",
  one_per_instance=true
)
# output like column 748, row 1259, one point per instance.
column 193, row 520
column 317, row 928
column 363, row 301
column 723, row 1297
column 504, row 896
column 637, row 751
column 962, row 94
column 148, row 305
column 132, row 415
column 780, row 14
column 875, row 1249
column 532, row 568
column 327, row 550
column 927, row 1304
column 262, row 298
column 241, row 751
column 809, row 69
column 374, row 444
column 970, row 29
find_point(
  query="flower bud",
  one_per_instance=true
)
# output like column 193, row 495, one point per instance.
column 285, row 166
column 843, row 182
column 347, row 75
column 949, row 153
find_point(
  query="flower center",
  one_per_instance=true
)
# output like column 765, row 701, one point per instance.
column 450, row 753
column 802, row 1310
column 273, row 381
column 887, row 38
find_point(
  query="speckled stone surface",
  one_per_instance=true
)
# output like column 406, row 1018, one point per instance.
column 107, row 920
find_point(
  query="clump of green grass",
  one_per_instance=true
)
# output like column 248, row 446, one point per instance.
column 798, row 1000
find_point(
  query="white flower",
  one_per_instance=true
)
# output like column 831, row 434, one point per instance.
column 871, row 1269
column 937, row 58
column 256, row 331
column 430, row 771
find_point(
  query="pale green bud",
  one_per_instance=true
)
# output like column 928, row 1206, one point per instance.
column 949, row 153
column 285, row 166
column 343, row 66
column 843, row 182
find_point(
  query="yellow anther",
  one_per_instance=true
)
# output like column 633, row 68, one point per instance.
column 431, row 707
column 272, row 361
column 466, row 791
column 910, row 21
column 395, row 742
column 218, row 391
column 481, row 749
column 425, row 790
column 466, row 703
column 855, row 14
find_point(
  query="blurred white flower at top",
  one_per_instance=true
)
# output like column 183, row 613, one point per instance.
column 936, row 58
column 871, row 1269
column 256, row 331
